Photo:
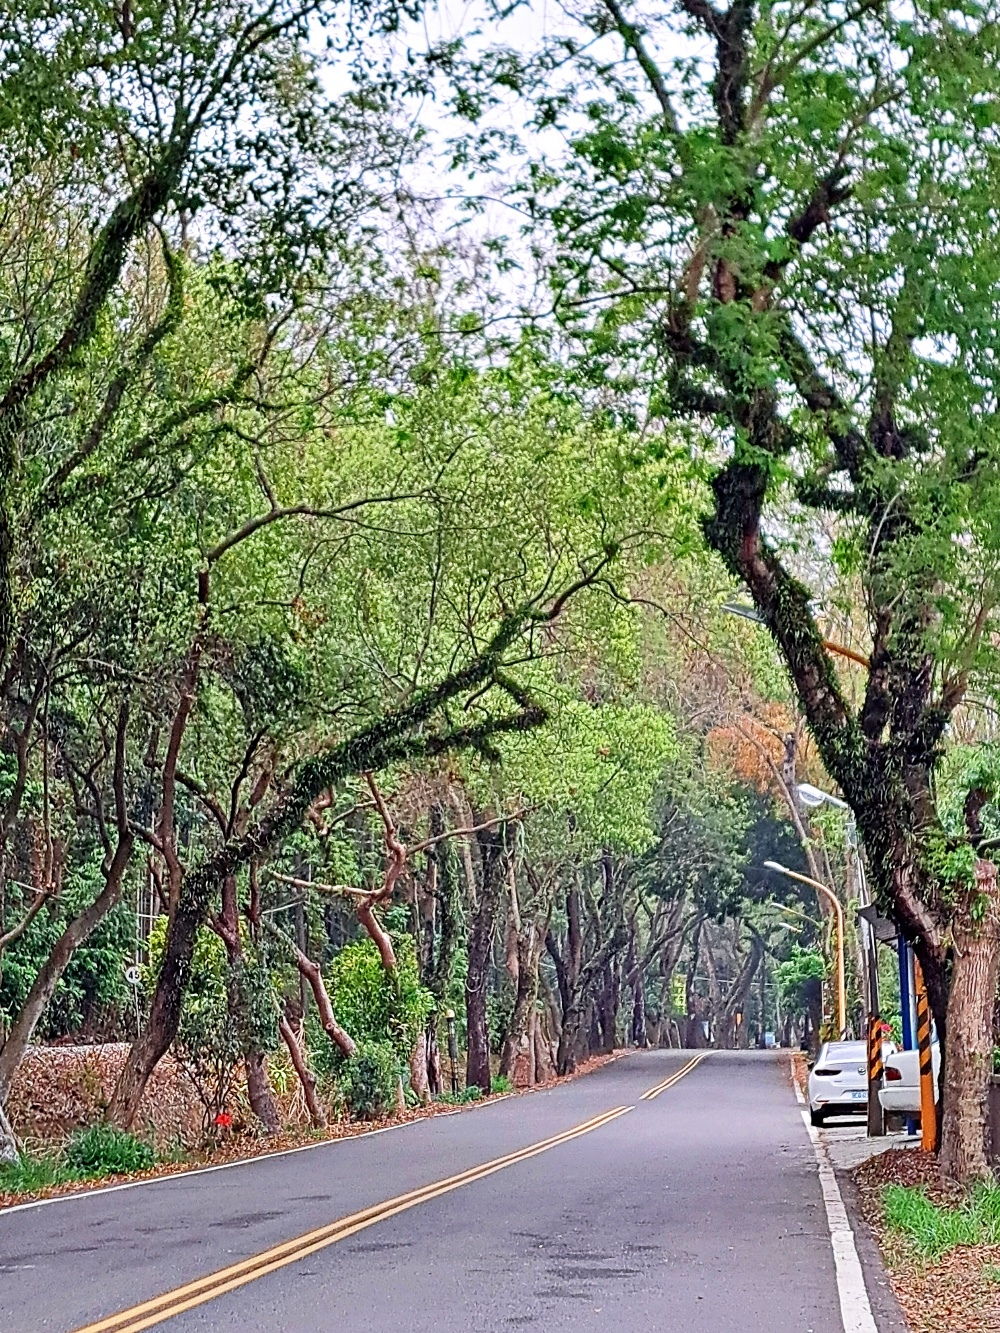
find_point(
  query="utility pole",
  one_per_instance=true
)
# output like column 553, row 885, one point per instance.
column 838, row 911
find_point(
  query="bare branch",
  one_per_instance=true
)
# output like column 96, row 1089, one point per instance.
column 632, row 38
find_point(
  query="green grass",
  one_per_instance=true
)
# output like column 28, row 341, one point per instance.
column 500, row 1084
column 103, row 1150
column 100, row 1150
column 934, row 1229
column 29, row 1174
column 470, row 1094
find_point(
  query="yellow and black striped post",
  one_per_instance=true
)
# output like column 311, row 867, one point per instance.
column 876, row 1117
column 928, row 1110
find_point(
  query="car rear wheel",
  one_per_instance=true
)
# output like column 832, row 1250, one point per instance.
column 816, row 1117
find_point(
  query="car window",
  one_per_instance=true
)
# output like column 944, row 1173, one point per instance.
column 846, row 1050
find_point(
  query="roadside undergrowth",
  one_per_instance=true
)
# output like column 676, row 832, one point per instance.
column 941, row 1248
column 102, row 1155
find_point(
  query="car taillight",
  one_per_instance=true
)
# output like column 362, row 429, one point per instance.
column 893, row 1075
column 826, row 1073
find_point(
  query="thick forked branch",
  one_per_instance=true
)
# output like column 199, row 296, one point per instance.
column 398, row 854
column 306, row 1076
column 311, row 971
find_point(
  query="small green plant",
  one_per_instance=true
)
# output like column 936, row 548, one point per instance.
column 29, row 1174
column 369, row 1082
column 103, row 1150
column 500, row 1084
column 934, row 1229
column 469, row 1094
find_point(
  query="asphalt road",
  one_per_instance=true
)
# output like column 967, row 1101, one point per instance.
column 698, row 1210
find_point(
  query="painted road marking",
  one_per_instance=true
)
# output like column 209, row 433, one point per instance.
column 673, row 1078
column 855, row 1307
column 247, row 1161
column 192, row 1294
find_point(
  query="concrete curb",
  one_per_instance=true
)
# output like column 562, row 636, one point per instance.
column 886, row 1309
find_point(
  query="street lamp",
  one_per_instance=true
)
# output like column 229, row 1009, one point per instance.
column 751, row 613
column 814, row 796
column 839, row 911
column 802, row 916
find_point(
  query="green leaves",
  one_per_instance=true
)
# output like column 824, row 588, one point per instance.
column 374, row 1006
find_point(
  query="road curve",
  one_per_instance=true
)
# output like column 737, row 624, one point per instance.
column 697, row 1208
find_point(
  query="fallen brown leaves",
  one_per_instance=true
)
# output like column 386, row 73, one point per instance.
column 958, row 1293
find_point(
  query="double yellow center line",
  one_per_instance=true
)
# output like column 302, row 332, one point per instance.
column 673, row 1078
column 259, row 1265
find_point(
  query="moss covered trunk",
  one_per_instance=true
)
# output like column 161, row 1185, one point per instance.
column 968, row 1051
column 480, row 953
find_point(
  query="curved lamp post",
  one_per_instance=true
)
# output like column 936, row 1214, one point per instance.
column 839, row 911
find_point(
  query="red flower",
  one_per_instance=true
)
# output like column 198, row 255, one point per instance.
column 224, row 1120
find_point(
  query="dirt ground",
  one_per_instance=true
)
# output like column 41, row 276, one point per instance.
column 959, row 1293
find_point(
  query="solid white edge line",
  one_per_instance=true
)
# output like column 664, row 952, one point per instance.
column 269, row 1156
column 855, row 1307
column 243, row 1161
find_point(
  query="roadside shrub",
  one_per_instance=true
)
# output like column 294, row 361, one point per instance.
column 28, row 1174
column 369, row 1082
column 103, row 1150
column 469, row 1094
column 500, row 1084
column 373, row 1006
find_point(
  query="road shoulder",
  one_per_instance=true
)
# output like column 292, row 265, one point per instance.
column 887, row 1312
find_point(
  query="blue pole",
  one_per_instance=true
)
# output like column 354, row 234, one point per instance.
column 904, row 993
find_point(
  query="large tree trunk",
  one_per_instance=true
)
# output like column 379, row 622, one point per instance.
column 524, row 1004
column 49, row 974
column 419, row 1081
column 154, row 1041
column 8, row 1141
column 259, row 1091
column 969, row 1042
column 435, row 1080
column 571, row 1036
column 640, row 1037
column 477, row 1069
column 607, row 1006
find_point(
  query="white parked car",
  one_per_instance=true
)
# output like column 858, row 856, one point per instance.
column 900, row 1092
column 838, row 1081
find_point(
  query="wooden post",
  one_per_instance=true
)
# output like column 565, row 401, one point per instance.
column 928, row 1109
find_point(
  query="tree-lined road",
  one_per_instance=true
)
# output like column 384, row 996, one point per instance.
column 698, row 1209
